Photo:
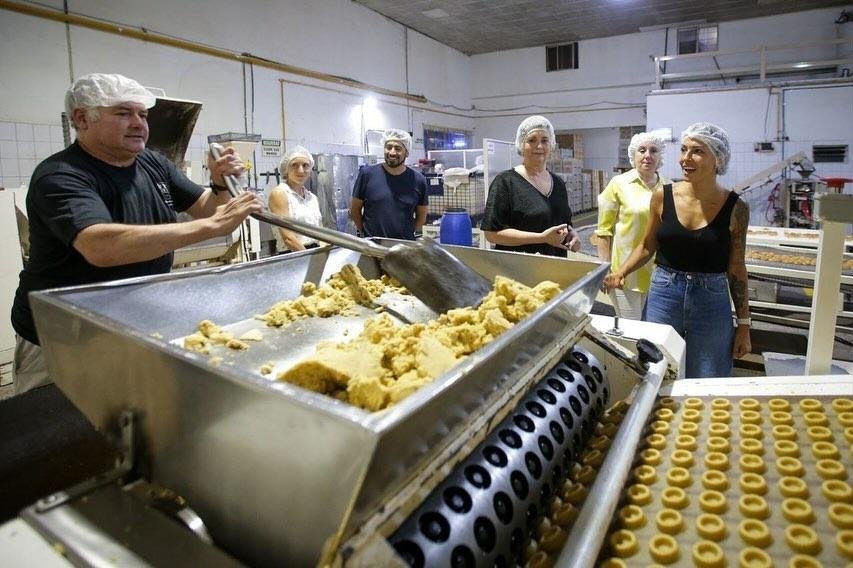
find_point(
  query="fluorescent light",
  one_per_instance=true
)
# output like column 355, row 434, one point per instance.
column 435, row 13
column 686, row 24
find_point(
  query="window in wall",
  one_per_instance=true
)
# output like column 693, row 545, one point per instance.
column 836, row 153
column 563, row 56
column 697, row 40
column 441, row 138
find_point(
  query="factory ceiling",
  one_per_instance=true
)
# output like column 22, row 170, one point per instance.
column 482, row 26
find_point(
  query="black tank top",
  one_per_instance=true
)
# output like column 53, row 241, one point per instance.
column 700, row 250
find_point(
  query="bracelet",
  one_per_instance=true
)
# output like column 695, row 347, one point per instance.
column 216, row 188
column 744, row 321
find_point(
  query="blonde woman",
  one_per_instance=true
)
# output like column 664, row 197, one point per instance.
column 291, row 199
column 528, row 207
column 623, row 214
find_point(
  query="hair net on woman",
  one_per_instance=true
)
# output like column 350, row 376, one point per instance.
column 715, row 138
column 530, row 124
column 398, row 135
column 297, row 152
column 648, row 139
column 103, row 90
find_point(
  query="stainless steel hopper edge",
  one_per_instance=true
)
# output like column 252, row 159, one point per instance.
column 274, row 470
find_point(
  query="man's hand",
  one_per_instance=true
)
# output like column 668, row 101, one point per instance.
column 743, row 344
column 229, row 163
column 229, row 216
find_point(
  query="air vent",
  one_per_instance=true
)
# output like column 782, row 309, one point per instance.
column 835, row 153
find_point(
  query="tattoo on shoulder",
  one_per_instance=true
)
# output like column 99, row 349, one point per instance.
column 741, row 215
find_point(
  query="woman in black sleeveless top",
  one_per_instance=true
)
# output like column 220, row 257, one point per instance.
column 698, row 230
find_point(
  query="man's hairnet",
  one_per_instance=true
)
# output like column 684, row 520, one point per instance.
column 397, row 135
column 530, row 124
column 715, row 138
column 297, row 152
column 103, row 90
column 648, row 139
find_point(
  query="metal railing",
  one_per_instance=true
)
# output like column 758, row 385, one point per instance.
column 761, row 67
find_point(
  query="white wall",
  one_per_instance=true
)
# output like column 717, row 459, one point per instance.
column 621, row 70
column 817, row 115
column 600, row 148
column 336, row 37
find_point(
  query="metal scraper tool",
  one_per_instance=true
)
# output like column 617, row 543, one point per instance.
column 429, row 272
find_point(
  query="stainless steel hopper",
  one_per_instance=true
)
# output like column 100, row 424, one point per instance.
column 277, row 472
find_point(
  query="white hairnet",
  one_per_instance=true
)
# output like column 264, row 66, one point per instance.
column 297, row 152
column 530, row 124
column 400, row 136
column 645, row 138
column 715, row 138
column 103, row 90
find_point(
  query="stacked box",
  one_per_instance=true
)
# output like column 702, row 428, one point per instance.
column 574, row 189
column 586, row 192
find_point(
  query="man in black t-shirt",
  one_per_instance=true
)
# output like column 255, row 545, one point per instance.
column 105, row 207
column 390, row 199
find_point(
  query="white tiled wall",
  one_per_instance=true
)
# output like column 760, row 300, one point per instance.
column 22, row 146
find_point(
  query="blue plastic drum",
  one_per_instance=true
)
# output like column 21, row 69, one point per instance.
column 455, row 228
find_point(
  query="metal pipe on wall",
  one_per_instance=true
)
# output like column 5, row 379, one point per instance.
column 145, row 35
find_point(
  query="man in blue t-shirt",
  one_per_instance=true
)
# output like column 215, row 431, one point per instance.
column 390, row 199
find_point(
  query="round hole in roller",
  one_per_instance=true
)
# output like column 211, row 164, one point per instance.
column 574, row 366
column 485, row 534
column 518, row 482
column 495, row 456
column 566, row 375
column 556, row 431
column 535, row 409
column 576, row 444
column 478, row 476
column 606, row 394
column 531, row 516
column 546, row 447
column 434, row 526
column 586, row 429
column 462, row 557
column 556, row 385
column 566, row 417
column 534, row 465
column 503, row 507
column 516, row 543
column 544, row 495
column 524, row 422
column 590, row 383
column 584, row 394
column 575, row 405
column 599, row 376
column 580, row 357
column 546, row 396
column 457, row 499
column 510, row 438
column 410, row 552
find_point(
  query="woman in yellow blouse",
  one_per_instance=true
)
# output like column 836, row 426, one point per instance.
column 623, row 213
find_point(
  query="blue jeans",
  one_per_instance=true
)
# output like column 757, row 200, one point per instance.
column 697, row 306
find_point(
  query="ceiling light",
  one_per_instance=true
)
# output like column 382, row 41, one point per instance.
column 435, row 13
column 686, row 24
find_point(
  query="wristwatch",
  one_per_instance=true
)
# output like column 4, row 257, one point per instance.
column 744, row 321
column 216, row 188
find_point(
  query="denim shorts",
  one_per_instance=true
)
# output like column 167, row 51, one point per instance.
column 697, row 305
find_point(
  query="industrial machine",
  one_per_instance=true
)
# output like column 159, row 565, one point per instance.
column 525, row 453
